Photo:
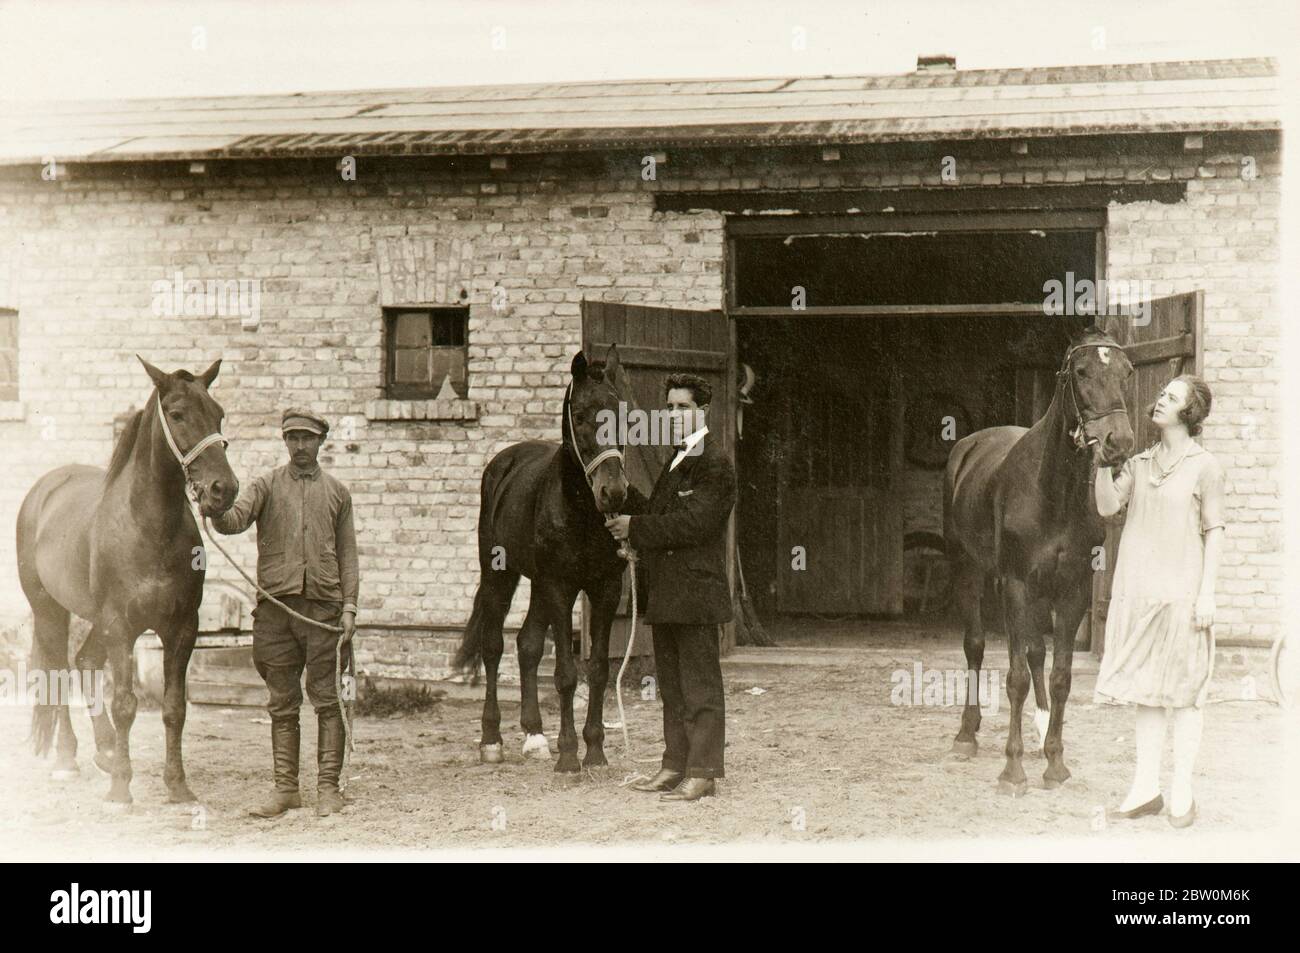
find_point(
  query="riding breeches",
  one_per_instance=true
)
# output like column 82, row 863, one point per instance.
column 283, row 647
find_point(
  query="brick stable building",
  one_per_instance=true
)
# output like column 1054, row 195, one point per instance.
column 421, row 265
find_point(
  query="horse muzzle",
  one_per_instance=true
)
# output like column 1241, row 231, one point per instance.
column 217, row 496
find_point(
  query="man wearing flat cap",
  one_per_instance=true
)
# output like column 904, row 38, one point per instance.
column 307, row 559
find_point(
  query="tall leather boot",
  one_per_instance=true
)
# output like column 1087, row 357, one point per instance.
column 285, row 742
column 329, row 761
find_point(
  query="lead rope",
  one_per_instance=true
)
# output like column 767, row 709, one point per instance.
column 629, row 554
column 345, row 707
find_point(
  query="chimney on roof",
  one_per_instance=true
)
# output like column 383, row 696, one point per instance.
column 937, row 63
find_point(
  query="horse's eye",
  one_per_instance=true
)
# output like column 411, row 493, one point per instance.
column 1079, row 371
column 175, row 416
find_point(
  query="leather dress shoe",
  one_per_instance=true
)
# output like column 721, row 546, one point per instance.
column 692, row 789
column 1153, row 806
column 1184, row 820
column 665, row 780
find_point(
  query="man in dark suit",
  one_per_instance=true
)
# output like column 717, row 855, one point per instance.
column 680, row 540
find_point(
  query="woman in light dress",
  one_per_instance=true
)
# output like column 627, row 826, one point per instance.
column 1159, row 646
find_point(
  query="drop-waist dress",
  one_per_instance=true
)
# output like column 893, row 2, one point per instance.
column 1154, row 654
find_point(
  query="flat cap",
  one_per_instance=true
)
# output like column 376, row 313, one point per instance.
column 300, row 418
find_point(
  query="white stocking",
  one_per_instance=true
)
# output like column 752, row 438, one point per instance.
column 1187, row 742
column 1149, row 735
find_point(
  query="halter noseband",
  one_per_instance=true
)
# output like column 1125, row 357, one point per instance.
column 587, row 468
column 185, row 459
column 1081, row 441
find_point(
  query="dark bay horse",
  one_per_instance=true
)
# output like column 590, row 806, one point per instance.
column 542, row 515
column 1019, row 507
column 120, row 548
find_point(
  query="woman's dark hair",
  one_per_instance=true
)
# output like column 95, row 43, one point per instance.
column 700, row 390
column 1197, row 408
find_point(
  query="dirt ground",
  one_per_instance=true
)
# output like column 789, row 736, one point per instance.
column 820, row 756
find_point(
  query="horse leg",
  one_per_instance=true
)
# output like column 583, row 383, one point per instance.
column 557, row 601
column 1015, row 611
column 496, row 591
column 91, row 661
column 1069, row 613
column 120, row 643
column 531, row 643
column 1036, row 653
column 604, row 604
column 970, row 590
column 176, row 662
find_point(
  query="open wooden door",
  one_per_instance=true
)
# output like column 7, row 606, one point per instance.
column 652, row 343
column 1169, row 345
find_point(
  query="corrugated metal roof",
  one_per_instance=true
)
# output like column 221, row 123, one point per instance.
column 1202, row 96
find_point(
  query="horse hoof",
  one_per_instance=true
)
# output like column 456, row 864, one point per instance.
column 1013, row 788
column 116, row 807
column 536, row 746
column 68, row 773
column 104, row 762
column 1051, row 781
column 964, row 750
column 491, row 754
column 180, row 795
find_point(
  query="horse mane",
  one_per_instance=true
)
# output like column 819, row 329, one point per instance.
column 125, row 445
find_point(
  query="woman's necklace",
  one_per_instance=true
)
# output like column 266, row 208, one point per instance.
column 1160, row 474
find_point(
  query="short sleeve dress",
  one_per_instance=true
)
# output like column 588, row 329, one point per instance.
column 1154, row 654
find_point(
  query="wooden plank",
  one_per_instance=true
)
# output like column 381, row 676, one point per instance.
column 983, row 200
column 663, row 357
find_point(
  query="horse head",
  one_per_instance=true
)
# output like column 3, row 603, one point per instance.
column 1095, row 376
column 191, row 419
column 591, row 415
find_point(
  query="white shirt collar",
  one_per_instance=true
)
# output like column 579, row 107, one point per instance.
column 689, row 444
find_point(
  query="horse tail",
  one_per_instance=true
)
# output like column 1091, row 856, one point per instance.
column 50, row 620
column 50, row 658
column 470, row 654
column 496, row 584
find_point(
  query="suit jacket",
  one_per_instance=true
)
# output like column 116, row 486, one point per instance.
column 681, row 540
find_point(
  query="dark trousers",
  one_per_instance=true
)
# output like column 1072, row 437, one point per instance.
column 690, row 684
column 283, row 647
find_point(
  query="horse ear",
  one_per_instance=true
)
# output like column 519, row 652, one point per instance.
column 579, row 367
column 612, row 365
column 1077, row 327
column 159, row 377
column 210, row 375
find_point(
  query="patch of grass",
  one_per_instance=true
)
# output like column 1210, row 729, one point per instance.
column 377, row 701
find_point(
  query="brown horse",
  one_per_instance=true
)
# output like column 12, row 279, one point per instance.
column 1018, row 507
column 121, row 549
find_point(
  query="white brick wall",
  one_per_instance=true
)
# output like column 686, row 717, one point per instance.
column 79, row 257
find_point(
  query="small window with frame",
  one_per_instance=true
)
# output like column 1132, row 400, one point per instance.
column 8, row 354
column 424, row 348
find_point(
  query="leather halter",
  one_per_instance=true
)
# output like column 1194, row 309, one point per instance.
column 587, row 468
column 1081, row 441
column 185, row 459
